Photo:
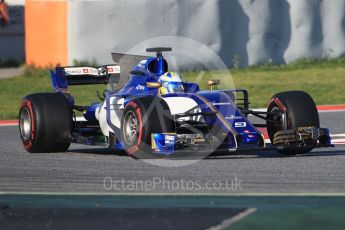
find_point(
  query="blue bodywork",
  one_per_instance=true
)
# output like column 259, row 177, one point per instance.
column 222, row 102
column 241, row 133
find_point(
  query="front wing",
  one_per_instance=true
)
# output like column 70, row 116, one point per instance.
column 301, row 138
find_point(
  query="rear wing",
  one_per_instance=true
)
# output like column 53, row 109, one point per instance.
column 65, row 76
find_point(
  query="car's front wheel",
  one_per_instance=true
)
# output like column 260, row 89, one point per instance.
column 141, row 118
column 289, row 111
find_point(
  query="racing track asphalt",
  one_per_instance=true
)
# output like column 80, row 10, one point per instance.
column 84, row 169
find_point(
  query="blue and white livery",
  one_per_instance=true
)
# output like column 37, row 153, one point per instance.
column 154, row 112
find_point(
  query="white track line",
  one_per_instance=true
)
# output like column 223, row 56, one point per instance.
column 330, row 111
column 320, row 111
column 337, row 135
column 338, row 141
column 9, row 124
column 230, row 221
column 13, row 123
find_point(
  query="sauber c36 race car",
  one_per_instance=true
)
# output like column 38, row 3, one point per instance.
column 154, row 112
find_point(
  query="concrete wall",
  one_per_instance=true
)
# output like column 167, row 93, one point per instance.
column 245, row 32
column 12, row 35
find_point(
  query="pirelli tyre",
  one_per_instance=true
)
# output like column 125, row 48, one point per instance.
column 45, row 123
column 141, row 118
column 289, row 111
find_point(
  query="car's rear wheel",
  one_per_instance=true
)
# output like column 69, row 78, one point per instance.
column 45, row 123
column 288, row 111
column 141, row 118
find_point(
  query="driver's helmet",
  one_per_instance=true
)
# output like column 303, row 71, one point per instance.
column 171, row 83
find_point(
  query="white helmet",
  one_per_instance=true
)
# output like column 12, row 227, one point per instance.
column 171, row 83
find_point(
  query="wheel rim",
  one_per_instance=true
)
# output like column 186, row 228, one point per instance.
column 278, row 120
column 131, row 128
column 25, row 124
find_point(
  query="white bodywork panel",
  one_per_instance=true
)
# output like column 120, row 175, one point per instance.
column 179, row 104
column 116, row 110
column 176, row 105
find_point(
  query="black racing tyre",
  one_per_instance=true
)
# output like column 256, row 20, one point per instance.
column 291, row 109
column 45, row 122
column 141, row 118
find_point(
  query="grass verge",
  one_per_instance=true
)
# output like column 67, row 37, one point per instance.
column 323, row 79
column 33, row 80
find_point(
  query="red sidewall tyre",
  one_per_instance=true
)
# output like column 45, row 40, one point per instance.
column 50, row 126
column 297, row 109
column 152, row 115
column 28, row 142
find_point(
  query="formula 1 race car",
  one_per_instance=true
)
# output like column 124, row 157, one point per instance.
column 154, row 112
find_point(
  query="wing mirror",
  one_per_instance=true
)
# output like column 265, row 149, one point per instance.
column 155, row 85
column 212, row 83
